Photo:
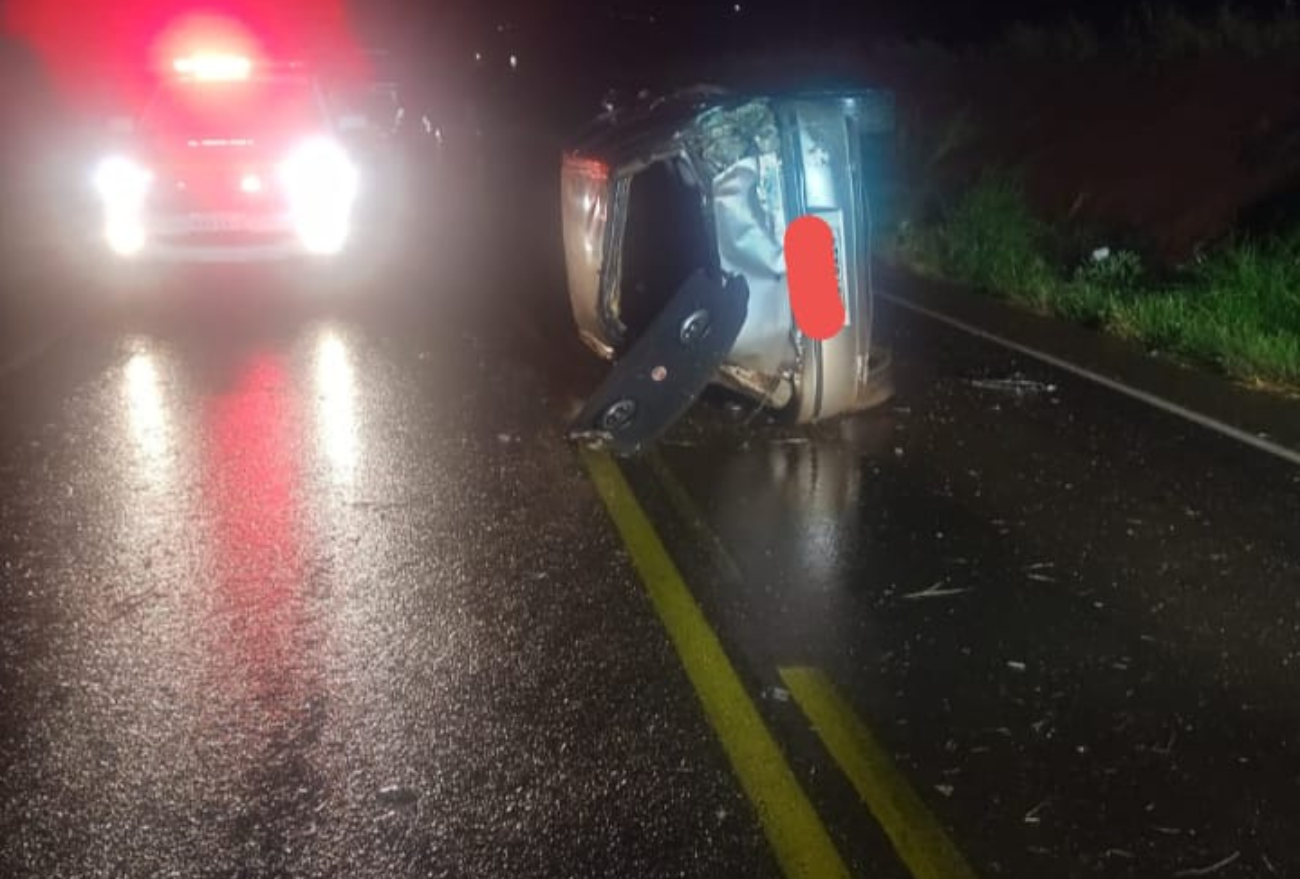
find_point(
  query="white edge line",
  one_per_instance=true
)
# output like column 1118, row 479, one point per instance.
column 1291, row 456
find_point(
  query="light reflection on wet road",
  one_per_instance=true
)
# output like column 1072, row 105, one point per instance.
column 337, row 405
column 1071, row 618
column 288, row 608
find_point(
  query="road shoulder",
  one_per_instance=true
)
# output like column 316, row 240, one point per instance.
column 1266, row 420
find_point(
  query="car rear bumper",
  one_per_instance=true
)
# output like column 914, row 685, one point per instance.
column 201, row 237
column 181, row 251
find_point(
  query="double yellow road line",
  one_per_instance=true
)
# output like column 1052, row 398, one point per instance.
column 798, row 836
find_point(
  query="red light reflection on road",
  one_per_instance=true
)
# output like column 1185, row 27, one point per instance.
column 252, row 495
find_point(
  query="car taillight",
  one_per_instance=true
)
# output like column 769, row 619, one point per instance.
column 584, row 202
column 321, row 184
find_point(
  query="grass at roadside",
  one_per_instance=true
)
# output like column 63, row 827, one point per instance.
column 1163, row 31
column 1154, row 31
column 1236, row 308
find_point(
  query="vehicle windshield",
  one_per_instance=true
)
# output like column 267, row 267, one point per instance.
column 262, row 108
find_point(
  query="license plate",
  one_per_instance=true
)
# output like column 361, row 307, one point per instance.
column 835, row 219
column 223, row 222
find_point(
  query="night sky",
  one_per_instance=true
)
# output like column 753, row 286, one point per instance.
column 627, row 41
column 564, row 45
column 765, row 21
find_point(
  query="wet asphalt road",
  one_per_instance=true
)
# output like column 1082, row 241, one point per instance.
column 304, row 585
column 1072, row 620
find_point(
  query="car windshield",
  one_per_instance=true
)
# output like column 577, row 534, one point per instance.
column 268, row 107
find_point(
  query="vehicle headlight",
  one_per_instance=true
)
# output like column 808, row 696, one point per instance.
column 321, row 183
column 122, row 183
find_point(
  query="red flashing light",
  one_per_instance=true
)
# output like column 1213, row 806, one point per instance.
column 214, row 68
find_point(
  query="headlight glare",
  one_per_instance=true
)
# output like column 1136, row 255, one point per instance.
column 125, row 236
column 321, row 183
column 123, row 183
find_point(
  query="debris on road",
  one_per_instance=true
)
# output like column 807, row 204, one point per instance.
column 1016, row 665
column 778, row 694
column 395, row 795
column 1014, row 385
column 1032, row 816
column 597, row 440
column 1212, row 868
column 935, row 591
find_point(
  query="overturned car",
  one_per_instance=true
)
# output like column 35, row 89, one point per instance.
column 674, row 217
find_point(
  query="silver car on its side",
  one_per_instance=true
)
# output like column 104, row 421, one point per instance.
column 674, row 217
